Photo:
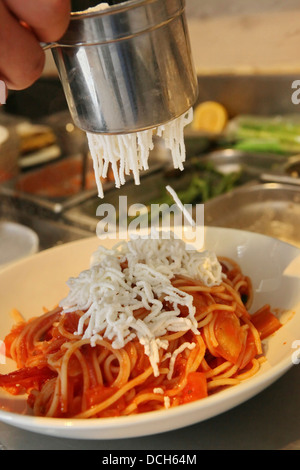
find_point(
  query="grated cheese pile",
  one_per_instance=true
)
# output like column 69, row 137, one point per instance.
column 128, row 153
column 109, row 296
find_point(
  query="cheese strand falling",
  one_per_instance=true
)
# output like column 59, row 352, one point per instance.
column 128, row 153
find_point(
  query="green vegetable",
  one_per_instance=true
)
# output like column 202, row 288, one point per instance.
column 206, row 183
column 279, row 135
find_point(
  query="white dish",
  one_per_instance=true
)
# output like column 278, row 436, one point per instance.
column 44, row 155
column 40, row 281
column 16, row 242
column 4, row 134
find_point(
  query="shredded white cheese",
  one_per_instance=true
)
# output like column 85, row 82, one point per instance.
column 110, row 295
column 101, row 6
column 129, row 153
column 175, row 354
column 167, row 402
column 181, row 206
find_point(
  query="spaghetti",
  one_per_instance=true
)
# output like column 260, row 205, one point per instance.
column 70, row 370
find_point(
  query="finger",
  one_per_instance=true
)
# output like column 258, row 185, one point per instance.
column 21, row 56
column 48, row 18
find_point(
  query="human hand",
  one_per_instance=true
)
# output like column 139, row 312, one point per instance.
column 23, row 25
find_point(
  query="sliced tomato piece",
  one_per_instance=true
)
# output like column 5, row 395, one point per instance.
column 98, row 394
column 142, row 362
column 250, row 350
column 230, row 336
column 24, row 380
column 196, row 387
column 199, row 303
column 9, row 339
column 265, row 322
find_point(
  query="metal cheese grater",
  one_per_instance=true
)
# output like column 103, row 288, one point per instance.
column 128, row 67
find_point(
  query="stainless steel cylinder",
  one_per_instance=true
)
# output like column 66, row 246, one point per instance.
column 127, row 68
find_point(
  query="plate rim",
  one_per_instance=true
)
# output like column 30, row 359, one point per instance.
column 30, row 233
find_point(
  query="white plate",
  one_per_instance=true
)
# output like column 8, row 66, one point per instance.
column 45, row 155
column 41, row 281
column 16, row 242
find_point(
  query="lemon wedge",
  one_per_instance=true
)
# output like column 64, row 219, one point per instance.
column 210, row 116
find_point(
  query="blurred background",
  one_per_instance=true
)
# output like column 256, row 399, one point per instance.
column 240, row 37
column 245, row 137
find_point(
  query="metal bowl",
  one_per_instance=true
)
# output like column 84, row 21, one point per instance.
column 271, row 209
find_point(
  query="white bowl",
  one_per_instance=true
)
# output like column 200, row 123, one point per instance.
column 16, row 242
column 40, row 281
